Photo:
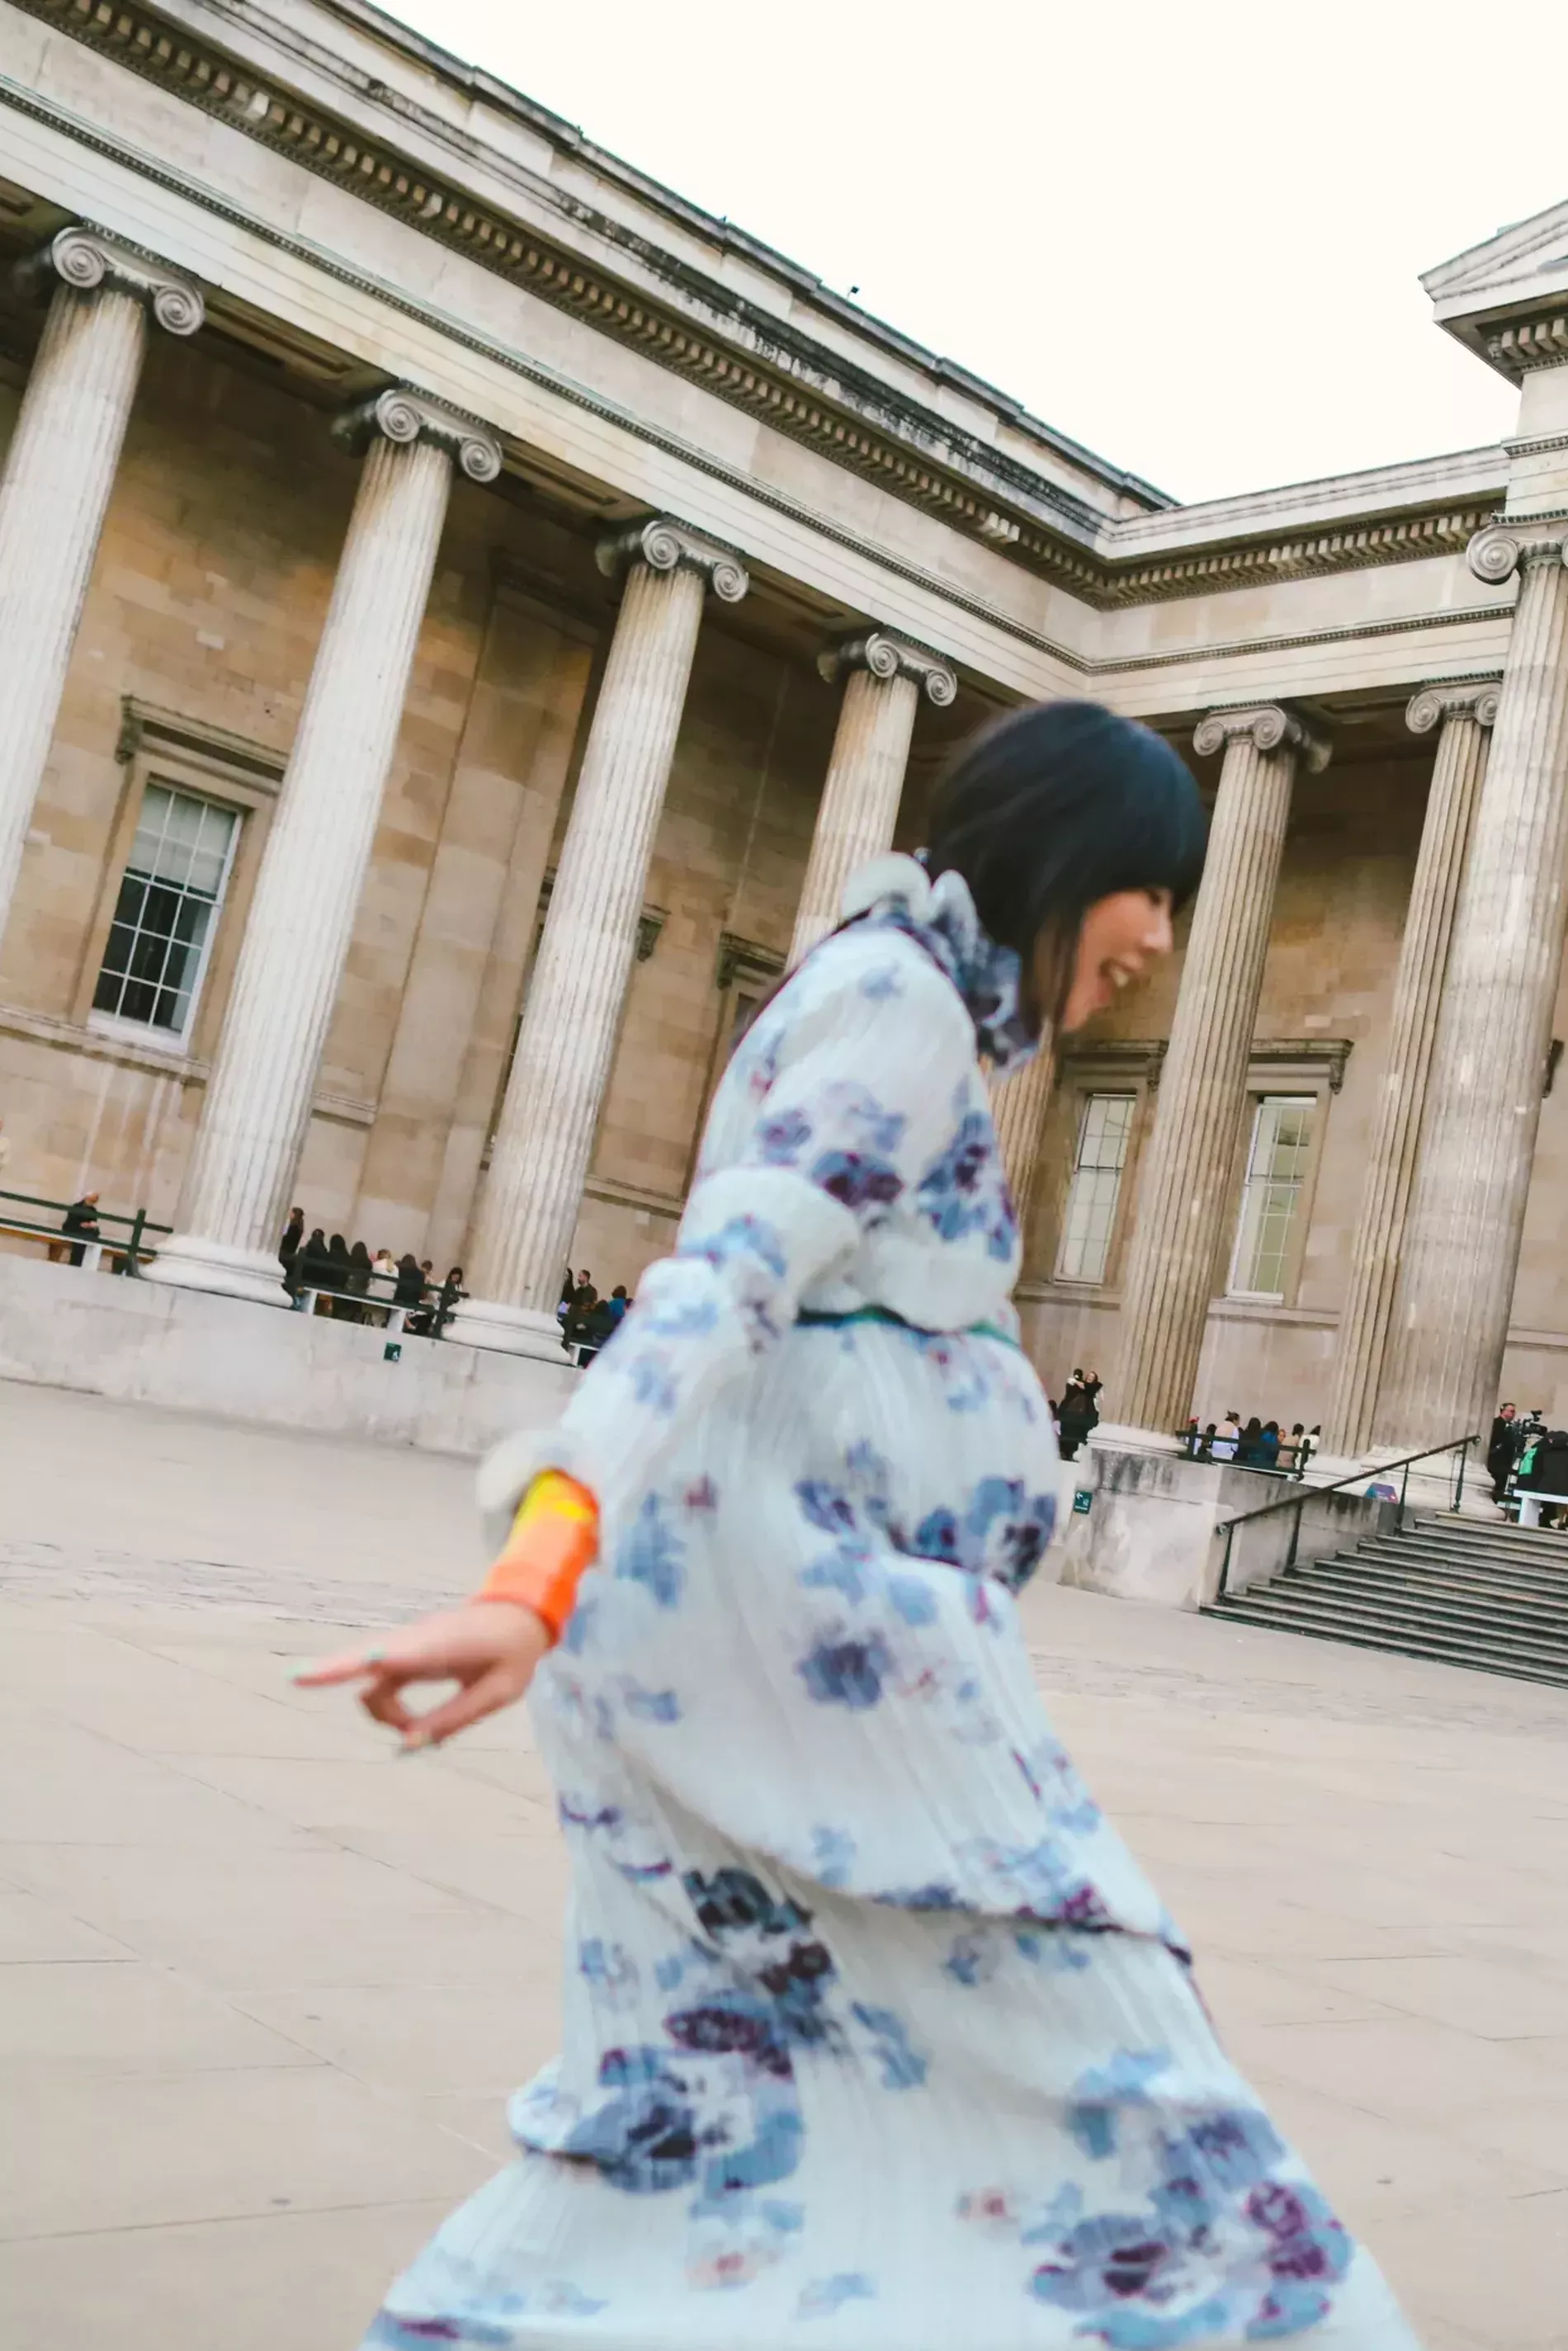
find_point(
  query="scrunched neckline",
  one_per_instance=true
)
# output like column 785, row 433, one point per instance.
column 940, row 917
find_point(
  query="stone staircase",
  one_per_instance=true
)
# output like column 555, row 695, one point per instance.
column 1491, row 1597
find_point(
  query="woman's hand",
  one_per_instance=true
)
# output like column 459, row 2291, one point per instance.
column 491, row 1647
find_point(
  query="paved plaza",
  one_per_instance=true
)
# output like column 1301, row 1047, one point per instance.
column 267, row 1986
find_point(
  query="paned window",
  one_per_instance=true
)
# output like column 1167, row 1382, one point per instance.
column 167, row 911
column 1276, row 1168
column 1100, row 1155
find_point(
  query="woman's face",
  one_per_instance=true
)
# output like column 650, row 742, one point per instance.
column 1120, row 937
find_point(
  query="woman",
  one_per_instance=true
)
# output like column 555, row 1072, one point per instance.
column 340, row 1267
column 1248, row 1450
column 871, row 2018
column 410, row 1289
column 1267, row 1445
column 312, row 1267
column 358, row 1281
column 451, row 1292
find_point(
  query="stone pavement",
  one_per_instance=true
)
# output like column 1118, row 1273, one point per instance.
column 266, row 1988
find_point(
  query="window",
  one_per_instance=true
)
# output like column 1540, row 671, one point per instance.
column 1101, row 1153
column 166, row 912
column 1276, row 1167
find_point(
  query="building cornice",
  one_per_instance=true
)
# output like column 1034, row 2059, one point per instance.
column 743, row 353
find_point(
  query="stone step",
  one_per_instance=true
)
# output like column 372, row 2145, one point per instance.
column 1345, row 1566
column 1373, row 1598
column 1494, row 1532
column 1394, row 1552
column 1515, row 1660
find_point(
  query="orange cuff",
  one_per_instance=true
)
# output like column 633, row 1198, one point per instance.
column 553, row 1543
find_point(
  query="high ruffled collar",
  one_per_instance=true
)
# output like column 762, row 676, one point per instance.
column 940, row 915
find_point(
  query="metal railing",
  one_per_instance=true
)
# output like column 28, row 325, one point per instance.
column 377, row 1293
column 92, row 1245
column 1363, row 1478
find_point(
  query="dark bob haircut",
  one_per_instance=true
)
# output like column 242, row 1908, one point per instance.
column 1054, row 808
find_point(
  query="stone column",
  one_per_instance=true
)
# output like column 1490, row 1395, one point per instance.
column 257, row 1105
column 1188, row 1167
column 60, row 472
column 544, row 1142
column 1466, row 715
column 1455, row 1288
column 1018, row 1108
column 884, row 680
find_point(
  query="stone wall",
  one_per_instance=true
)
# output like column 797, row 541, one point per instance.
column 141, row 1342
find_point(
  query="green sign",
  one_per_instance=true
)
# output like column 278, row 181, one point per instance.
column 1080, row 1501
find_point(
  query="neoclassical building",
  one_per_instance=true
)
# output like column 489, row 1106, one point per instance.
column 463, row 611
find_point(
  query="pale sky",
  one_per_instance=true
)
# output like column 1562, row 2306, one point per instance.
column 1185, row 232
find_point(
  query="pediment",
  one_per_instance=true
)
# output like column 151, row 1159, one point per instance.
column 1523, row 265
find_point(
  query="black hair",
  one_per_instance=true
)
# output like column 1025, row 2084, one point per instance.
column 1054, row 807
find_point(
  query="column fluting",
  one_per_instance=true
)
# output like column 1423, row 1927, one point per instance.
column 257, row 1105
column 1019, row 1109
column 884, row 680
column 1454, row 1293
column 1186, row 1171
column 59, row 473
column 1465, row 716
column 566, row 1045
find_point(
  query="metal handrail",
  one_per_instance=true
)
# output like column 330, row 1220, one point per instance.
column 131, row 1250
column 1299, row 1501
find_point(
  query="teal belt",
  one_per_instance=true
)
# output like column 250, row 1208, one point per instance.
column 902, row 1323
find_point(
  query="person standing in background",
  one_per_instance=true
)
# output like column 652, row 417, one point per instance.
column 81, row 1219
column 1502, row 1450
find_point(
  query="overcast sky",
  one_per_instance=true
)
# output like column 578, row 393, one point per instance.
column 1185, row 232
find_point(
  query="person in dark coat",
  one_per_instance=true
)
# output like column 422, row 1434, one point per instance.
column 409, row 1292
column 1247, row 1451
column 451, row 1290
column 293, row 1234
column 312, row 1267
column 339, row 1266
column 357, row 1282
column 1268, row 1446
column 1079, row 1413
column 1502, row 1450
column 81, row 1217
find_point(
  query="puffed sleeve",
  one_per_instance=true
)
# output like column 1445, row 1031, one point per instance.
column 853, row 1074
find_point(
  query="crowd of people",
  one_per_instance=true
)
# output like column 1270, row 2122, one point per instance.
column 586, row 1319
column 349, row 1284
column 1254, row 1444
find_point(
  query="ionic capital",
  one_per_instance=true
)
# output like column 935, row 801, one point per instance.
column 1504, row 548
column 1270, row 728
column 1436, row 705
column 88, row 260
column 883, row 655
column 662, row 544
column 402, row 415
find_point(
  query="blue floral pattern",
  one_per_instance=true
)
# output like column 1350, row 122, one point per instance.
column 843, row 1914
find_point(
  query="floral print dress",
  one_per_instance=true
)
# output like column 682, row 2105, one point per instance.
column 875, row 2033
